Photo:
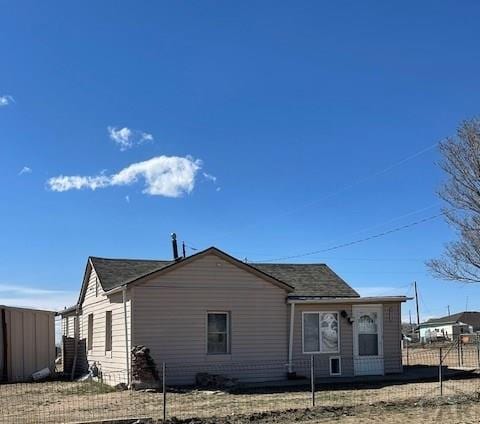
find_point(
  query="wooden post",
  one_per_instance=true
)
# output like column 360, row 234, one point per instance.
column 458, row 352
column 461, row 349
column 312, row 378
column 408, row 358
column 164, row 391
column 478, row 352
column 440, row 380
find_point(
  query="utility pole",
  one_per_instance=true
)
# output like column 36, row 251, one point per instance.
column 416, row 302
column 466, row 304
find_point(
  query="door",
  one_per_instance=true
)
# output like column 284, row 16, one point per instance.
column 368, row 339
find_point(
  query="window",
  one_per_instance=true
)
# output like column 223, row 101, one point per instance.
column 108, row 331
column 66, row 326
column 335, row 365
column 368, row 335
column 90, row 332
column 320, row 332
column 218, row 329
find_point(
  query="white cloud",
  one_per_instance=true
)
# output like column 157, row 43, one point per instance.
column 210, row 177
column 127, row 198
column 5, row 100
column 169, row 176
column 127, row 138
column 25, row 170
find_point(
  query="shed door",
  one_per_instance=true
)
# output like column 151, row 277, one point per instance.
column 368, row 340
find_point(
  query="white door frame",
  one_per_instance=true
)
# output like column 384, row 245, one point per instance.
column 368, row 365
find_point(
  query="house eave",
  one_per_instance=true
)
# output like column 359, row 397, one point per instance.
column 347, row 300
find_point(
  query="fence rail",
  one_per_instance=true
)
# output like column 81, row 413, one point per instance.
column 429, row 373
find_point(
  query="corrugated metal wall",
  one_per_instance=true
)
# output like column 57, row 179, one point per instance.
column 30, row 342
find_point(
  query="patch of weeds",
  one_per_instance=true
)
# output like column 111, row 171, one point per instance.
column 86, row 388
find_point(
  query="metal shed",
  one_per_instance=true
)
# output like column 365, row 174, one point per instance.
column 27, row 342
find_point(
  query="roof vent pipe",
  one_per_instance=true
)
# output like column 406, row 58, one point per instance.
column 174, row 246
column 183, row 250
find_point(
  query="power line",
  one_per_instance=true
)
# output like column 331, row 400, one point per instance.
column 346, row 187
column 351, row 243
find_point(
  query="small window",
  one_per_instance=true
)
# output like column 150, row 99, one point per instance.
column 335, row 366
column 108, row 331
column 218, row 339
column 321, row 332
column 90, row 332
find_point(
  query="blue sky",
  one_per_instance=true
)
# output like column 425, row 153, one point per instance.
column 267, row 129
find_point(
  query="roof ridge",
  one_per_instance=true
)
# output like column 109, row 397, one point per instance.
column 131, row 259
column 273, row 263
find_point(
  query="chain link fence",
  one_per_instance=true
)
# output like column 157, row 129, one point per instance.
column 430, row 373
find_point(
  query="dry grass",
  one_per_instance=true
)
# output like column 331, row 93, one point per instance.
column 55, row 402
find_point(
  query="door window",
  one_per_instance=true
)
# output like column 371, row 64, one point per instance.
column 368, row 334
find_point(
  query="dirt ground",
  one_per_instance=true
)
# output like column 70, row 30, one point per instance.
column 66, row 402
column 462, row 412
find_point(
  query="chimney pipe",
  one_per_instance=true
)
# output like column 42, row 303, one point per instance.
column 174, row 246
column 183, row 250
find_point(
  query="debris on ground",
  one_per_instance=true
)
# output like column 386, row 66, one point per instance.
column 41, row 374
column 215, row 381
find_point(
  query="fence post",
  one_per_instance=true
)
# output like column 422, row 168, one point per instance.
column 440, row 380
column 164, row 391
column 312, row 378
column 461, row 350
column 458, row 352
column 478, row 352
column 408, row 357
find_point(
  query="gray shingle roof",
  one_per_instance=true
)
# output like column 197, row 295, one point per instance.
column 115, row 272
column 316, row 280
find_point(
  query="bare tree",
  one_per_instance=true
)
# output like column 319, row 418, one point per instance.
column 461, row 193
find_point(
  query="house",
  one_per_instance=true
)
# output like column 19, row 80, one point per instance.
column 449, row 327
column 210, row 309
column 27, row 342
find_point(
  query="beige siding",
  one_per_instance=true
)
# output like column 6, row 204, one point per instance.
column 322, row 365
column 97, row 303
column 392, row 336
column 30, row 342
column 68, row 326
column 169, row 317
column 391, row 340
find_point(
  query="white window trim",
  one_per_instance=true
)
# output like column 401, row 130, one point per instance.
column 319, row 326
column 228, row 352
column 339, row 365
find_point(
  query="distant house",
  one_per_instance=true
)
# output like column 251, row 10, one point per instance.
column 449, row 327
column 211, row 309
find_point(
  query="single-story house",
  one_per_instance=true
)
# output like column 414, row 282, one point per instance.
column 449, row 327
column 27, row 342
column 210, row 309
